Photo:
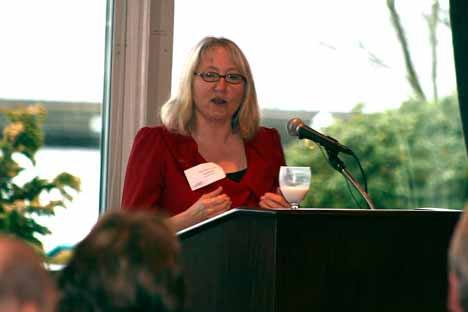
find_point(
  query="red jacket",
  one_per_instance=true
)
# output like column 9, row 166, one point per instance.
column 155, row 171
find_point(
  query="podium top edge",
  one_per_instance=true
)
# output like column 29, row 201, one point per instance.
column 243, row 211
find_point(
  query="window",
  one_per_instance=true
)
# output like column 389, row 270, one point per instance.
column 53, row 54
column 341, row 69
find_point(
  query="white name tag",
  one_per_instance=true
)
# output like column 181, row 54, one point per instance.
column 204, row 174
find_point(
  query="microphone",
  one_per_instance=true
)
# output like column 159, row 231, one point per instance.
column 296, row 127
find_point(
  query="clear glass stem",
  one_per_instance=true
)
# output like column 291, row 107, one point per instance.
column 294, row 206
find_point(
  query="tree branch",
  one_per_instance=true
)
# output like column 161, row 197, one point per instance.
column 411, row 72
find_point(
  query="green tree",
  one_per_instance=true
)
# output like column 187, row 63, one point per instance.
column 412, row 157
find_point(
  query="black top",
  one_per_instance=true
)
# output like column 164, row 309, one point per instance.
column 236, row 176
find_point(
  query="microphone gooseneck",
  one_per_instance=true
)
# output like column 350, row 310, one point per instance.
column 296, row 127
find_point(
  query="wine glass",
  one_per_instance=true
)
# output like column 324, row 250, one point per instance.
column 294, row 184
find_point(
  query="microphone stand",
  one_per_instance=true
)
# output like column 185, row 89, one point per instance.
column 338, row 165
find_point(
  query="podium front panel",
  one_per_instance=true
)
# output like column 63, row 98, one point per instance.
column 319, row 260
column 230, row 263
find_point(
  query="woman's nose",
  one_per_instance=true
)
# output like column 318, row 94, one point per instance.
column 221, row 84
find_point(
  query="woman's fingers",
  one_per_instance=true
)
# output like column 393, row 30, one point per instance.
column 266, row 202
column 272, row 200
column 212, row 204
column 214, row 193
column 217, row 205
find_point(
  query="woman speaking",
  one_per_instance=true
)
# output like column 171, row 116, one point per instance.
column 210, row 154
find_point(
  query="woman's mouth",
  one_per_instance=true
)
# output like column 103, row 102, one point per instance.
column 218, row 101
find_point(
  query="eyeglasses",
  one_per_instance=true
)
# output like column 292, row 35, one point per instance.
column 213, row 77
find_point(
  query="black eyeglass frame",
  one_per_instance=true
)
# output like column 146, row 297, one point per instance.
column 218, row 76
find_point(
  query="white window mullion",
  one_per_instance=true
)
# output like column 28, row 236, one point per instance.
column 141, row 75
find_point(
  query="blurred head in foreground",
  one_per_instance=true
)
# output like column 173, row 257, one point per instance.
column 458, row 267
column 25, row 284
column 128, row 262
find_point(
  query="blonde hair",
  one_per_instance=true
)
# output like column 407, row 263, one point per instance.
column 177, row 112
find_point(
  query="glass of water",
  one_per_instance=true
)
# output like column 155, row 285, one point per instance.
column 294, row 184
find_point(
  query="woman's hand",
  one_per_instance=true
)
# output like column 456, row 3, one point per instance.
column 209, row 205
column 273, row 200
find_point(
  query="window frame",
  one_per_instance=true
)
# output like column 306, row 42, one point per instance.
column 141, row 67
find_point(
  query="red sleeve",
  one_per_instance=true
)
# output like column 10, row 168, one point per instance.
column 278, row 147
column 277, row 151
column 266, row 158
column 144, row 175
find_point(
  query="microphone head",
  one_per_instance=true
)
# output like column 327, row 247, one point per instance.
column 294, row 125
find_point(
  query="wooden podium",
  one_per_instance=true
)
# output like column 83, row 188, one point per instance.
column 318, row 260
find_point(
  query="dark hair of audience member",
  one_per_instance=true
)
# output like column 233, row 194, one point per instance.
column 128, row 262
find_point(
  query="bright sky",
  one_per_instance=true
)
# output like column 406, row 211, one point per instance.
column 52, row 49
column 304, row 55
column 307, row 55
